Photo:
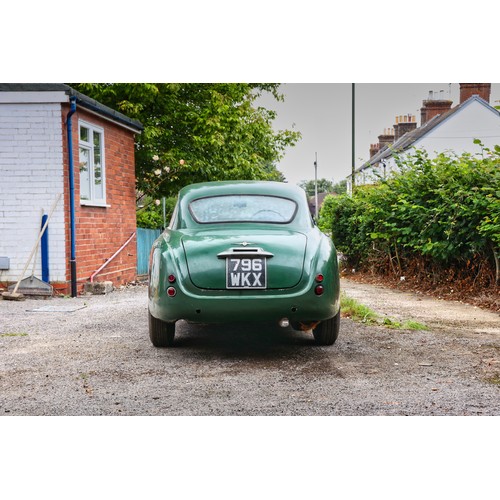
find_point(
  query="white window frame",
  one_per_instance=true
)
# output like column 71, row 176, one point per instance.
column 89, row 146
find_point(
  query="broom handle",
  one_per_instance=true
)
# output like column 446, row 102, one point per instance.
column 38, row 241
column 36, row 251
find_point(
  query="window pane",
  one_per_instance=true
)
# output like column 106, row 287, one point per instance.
column 84, row 174
column 98, row 180
column 243, row 208
column 84, row 134
column 97, row 140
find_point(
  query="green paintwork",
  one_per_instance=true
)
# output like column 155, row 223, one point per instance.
column 189, row 251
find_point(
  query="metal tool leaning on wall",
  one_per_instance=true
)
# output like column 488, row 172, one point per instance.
column 14, row 294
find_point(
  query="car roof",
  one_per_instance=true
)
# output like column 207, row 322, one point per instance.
column 221, row 188
column 225, row 188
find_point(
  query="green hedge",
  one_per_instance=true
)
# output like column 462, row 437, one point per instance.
column 443, row 211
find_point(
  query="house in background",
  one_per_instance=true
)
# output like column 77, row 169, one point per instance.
column 35, row 175
column 311, row 201
column 443, row 128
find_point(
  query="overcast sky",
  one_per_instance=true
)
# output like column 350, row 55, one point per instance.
column 223, row 41
column 322, row 113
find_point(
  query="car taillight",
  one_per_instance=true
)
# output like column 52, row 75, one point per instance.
column 319, row 289
column 171, row 278
column 171, row 291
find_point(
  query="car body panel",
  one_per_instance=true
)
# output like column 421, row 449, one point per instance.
column 196, row 254
column 208, row 270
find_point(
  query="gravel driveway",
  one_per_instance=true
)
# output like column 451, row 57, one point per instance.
column 92, row 356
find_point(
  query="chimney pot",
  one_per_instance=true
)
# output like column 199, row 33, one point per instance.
column 404, row 125
column 374, row 149
column 386, row 138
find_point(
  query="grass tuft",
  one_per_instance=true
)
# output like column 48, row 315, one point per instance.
column 358, row 312
column 353, row 309
column 414, row 325
column 495, row 379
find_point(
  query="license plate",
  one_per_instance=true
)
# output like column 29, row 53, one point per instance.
column 246, row 273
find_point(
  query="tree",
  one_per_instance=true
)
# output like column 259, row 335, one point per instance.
column 340, row 187
column 197, row 132
column 150, row 212
column 324, row 186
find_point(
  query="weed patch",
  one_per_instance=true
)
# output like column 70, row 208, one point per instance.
column 495, row 379
column 353, row 309
column 357, row 311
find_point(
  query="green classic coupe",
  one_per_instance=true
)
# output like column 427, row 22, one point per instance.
column 243, row 251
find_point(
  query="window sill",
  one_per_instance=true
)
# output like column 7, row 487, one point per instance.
column 90, row 203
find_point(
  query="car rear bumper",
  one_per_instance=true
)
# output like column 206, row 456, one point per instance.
column 246, row 306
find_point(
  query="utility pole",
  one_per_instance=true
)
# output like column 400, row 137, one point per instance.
column 164, row 214
column 316, row 187
column 353, row 167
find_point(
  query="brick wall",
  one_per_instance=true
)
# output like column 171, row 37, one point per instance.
column 431, row 108
column 385, row 140
column 402, row 128
column 34, row 170
column 374, row 149
column 467, row 90
column 101, row 231
column 31, row 177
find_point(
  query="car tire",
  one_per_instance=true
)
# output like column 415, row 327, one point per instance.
column 327, row 331
column 161, row 333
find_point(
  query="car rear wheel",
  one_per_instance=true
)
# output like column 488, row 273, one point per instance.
column 327, row 331
column 161, row 333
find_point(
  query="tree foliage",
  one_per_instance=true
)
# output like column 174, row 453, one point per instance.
column 197, row 131
column 340, row 187
column 324, row 186
column 309, row 186
column 150, row 213
column 443, row 211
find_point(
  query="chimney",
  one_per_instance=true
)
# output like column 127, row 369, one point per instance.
column 374, row 149
column 467, row 90
column 386, row 138
column 434, row 105
column 404, row 124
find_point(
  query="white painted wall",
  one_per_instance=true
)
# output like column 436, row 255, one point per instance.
column 455, row 134
column 31, row 177
column 473, row 121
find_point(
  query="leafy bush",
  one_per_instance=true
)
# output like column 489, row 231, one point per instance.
column 341, row 217
column 444, row 212
column 151, row 216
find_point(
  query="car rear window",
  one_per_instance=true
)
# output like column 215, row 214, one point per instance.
column 243, row 208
